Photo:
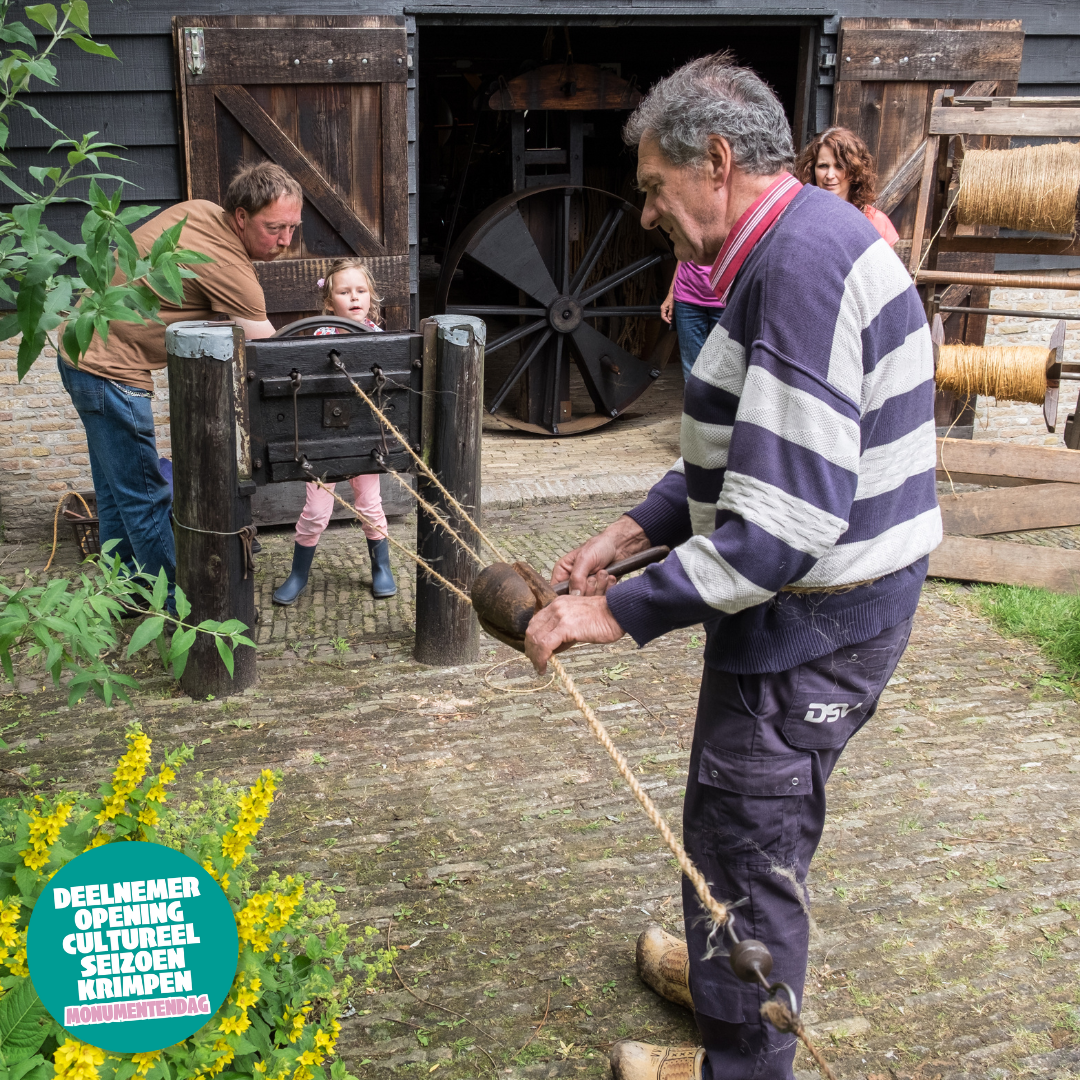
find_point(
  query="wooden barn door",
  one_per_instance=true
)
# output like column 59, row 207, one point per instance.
column 324, row 97
column 887, row 72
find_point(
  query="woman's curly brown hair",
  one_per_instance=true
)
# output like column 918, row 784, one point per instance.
column 850, row 152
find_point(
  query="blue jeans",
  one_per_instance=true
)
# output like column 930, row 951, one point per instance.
column 693, row 324
column 133, row 499
column 764, row 746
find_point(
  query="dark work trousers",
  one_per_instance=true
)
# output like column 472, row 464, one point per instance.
column 764, row 745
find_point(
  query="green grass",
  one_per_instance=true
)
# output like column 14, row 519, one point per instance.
column 1051, row 620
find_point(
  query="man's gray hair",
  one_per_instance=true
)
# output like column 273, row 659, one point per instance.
column 714, row 96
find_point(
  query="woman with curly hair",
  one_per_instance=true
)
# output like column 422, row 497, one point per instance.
column 839, row 161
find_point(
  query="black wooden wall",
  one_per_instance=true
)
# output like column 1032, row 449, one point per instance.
column 133, row 102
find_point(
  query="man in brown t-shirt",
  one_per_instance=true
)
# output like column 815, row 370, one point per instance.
column 112, row 386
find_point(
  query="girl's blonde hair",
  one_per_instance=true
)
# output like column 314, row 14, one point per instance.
column 326, row 287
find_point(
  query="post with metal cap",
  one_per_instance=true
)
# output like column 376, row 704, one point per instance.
column 446, row 629
column 211, row 494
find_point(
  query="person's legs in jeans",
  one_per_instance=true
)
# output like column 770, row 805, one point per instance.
column 764, row 746
column 693, row 324
column 133, row 498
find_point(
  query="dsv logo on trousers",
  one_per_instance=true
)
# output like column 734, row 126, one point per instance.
column 818, row 713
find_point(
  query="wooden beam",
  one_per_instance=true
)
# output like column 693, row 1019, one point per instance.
column 1039, row 463
column 966, row 558
column 923, row 55
column 926, row 194
column 282, row 150
column 1010, row 245
column 995, row 281
column 270, row 54
column 1021, row 122
column 904, row 179
column 981, row 101
column 1002, row 510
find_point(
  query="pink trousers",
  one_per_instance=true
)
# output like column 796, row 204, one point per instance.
column 319, row 505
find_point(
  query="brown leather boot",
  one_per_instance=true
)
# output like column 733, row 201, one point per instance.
column 664, row 964
column 642, row 1061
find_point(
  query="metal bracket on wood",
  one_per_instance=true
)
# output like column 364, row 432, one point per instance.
column 195, row 50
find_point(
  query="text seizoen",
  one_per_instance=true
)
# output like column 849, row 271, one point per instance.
column 141, row 951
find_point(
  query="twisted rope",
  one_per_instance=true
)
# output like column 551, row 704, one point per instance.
column 717, row 911
column 423, row 467
column 56, row 520
column 783, row 1019
column 401, row 547
column 439, row 519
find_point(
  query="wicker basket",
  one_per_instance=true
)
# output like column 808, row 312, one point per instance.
column 84, row 526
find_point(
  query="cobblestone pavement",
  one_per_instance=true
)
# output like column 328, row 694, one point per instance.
column 469, row 811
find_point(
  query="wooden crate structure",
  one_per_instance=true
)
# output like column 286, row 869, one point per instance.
column 1026, row 487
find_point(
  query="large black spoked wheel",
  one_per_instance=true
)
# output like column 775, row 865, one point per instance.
column 563, row 250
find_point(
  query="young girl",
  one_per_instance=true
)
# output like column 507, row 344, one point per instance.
column 348, row 292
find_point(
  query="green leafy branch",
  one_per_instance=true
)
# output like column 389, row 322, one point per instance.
column 113, row 283
column 73, row 626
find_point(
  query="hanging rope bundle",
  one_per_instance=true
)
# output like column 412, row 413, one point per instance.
column 1031, row 188
column 1005, row 372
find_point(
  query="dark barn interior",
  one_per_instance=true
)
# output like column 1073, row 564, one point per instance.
column 466, row 164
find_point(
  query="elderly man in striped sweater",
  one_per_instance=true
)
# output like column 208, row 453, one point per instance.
column 800, row 515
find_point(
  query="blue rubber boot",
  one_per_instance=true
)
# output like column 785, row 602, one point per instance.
column 382, row 577
column 295, row 583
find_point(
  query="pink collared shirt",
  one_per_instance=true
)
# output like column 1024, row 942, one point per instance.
column 760, row 216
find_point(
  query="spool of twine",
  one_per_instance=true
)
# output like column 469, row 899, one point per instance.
column 1008, row 373
column 1031, row 188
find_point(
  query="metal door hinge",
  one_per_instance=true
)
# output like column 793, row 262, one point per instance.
column 195, row 50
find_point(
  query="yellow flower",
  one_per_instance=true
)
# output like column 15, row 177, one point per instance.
column 326, row 1041
column 145, row 1061
column 254, row 806
column 98, row 841
column 9, row 917
column 234, row 1025
column 286, row 907
column 247, row 996
column 148, row 816
column 303, row 1073
column 17, row 964
column 76, row 1060
column 157, row 792
column 260, row 1067
column 130, row 770
column 44, row 832
column 222, row 880
column 296, row 1020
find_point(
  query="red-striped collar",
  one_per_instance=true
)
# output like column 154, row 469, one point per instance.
column 758, row 219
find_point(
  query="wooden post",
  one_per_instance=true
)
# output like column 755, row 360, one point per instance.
column 211, row 459
column 447, row 632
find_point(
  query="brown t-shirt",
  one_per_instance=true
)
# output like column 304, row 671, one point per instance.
column 226, row 287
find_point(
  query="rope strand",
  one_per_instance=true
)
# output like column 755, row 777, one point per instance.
column 717, row 911
column 440, row 519
column 401, row 547
column 423, row 467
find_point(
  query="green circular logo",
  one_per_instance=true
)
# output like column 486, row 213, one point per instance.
column 132, row 947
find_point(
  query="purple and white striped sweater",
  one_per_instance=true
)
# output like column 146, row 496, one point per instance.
column 807, row 455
